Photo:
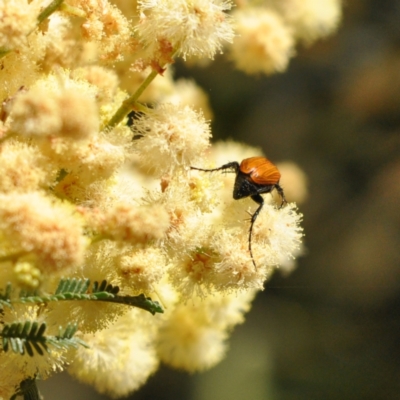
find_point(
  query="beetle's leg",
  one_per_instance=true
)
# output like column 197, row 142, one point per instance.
column 259, row 200
column 232, row 165
column 280, row 192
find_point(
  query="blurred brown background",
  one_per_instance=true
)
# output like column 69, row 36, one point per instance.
column 331, row 330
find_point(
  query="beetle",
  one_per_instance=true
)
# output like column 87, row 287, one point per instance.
column 254, row 176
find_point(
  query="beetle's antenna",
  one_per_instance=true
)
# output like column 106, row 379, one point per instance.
column 232, row 165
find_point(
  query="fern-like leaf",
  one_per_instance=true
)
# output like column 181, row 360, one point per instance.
column 18, row 334
column 67, row 289
column 25, row 337
column 141, row 301
column 79, row 289
column 5, row 298
column 104, row 287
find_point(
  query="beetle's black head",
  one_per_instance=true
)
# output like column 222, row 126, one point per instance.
column 245, row 187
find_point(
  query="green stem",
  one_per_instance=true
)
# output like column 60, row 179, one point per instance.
column 142, row 108
column 53, row 6
column 13, row 257
column 75, row 11
column 99, row 238
column 140, row 301
column 131, row 102
column 128, row 104
column 3, row 52
column 9, row 136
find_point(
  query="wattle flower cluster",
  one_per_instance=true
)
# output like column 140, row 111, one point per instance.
column 86, row 193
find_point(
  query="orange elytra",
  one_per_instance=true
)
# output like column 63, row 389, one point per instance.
column 254, row 176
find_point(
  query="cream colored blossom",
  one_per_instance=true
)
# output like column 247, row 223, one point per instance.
column 294, row 181
column 102, row 78
column 16, row 367
column 191, row 272
column 17, row 19
column 186, row 92
column 82, row 201
column 310, row 19
column 194, row 337
column 173, row 136
column 127, row 222
column 128, row 8
column 229, row 309
column 92, row 160
column 61, row 112
column 47, row 229
column 194, row 28
column 235, row 269
column 142, row 269
column 202, row 191
column 90, row 316
column 188, row 229
column 107, row 28
column 218, row 260
column 188, row 345
column 23, row 168
column 277, row 233
column 73, row 188
column 59, row 46
column 101, row 263
column 264, row 42
column 230, row 150
column 20, row 69
column 120, row 358
column 188, row 238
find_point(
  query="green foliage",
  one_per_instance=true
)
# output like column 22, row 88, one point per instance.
column 29, row 338
column 78, row 290
column 5, row 298
column 47, row 11
column 25, row 337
